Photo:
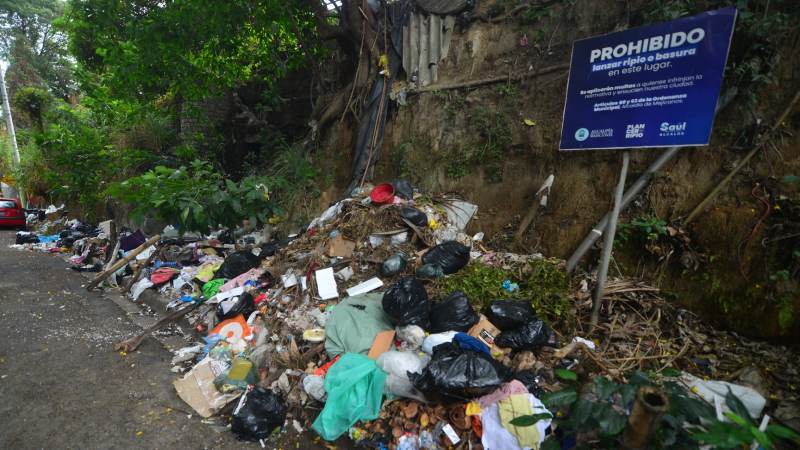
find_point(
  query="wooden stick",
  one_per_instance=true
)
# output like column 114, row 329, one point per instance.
column 119, row 264
column 711, row 195
column 137, row 273
column 132, row 344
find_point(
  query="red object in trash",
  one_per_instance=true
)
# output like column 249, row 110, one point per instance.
column 382, row 194
column 322, row 371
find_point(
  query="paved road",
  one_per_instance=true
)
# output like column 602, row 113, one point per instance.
column 61, row 386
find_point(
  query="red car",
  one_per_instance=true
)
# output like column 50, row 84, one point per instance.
column 11, row 213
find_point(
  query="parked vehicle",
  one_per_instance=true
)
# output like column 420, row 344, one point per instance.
column 11, row 213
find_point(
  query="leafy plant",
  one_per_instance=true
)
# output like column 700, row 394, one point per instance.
column 195, row 198
column 602, row 407
column 542, row 282
column 758, row 34
column 647, row 228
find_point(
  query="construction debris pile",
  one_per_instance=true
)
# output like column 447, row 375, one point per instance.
column 348, row 328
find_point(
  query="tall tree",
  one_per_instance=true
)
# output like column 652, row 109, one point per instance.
column 36, row 49
column 186, row 47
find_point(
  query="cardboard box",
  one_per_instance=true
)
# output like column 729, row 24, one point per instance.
column 340, row 246
column 382, row 343
column 198, row 391
column 485, row 332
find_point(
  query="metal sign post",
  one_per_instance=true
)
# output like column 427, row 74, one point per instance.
column 608, row 240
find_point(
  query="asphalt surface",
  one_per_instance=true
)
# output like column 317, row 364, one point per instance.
column 62, row 386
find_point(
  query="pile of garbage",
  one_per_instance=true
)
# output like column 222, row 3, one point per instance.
column 344, row 328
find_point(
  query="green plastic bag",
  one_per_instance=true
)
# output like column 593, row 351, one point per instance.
column 354, row 323
column 355, row 389
column 211, row 288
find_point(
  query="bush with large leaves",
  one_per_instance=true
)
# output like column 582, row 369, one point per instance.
column 196, row 198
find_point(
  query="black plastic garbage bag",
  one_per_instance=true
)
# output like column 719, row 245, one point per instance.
column 232, row 307
column 236, row 264
column 454, row 313
column 414, row 216
column 509, row 314
column 262, row 412
column 406, row 303
column 24, row 237
column 394, row 265
column 451, row 256
column 403, row 189
column 530, row 336
column 530, row 380
column 454, row 374
column 429, row 271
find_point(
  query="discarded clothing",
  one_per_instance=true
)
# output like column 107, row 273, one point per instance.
column 515, row 406
column 211, row 288
column 505, row 391
column 252, row 274
column 468, row 342
column 162, row 275
column 354, row 323
column 497, row 437
column 206, row 272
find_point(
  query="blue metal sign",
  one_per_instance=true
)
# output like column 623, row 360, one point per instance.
column 653, row 86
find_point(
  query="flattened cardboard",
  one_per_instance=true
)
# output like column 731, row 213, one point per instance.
column 485, row 332
column 339, row 246
column 382, row 343
column 198, row 391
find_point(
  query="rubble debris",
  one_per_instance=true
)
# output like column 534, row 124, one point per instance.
column 362, row 318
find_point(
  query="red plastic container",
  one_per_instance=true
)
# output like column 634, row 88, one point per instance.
column 382, row 194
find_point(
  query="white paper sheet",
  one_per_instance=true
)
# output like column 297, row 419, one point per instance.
column 326, row 283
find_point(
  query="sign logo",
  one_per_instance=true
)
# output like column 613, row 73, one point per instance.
column 633, row 131
column 582, row 134
column 672, row 129
column 605, row 132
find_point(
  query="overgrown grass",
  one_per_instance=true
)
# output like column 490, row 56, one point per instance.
column 542, row 282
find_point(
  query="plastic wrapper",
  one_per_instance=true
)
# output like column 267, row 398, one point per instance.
column 411, row 335
column 454, row 313
column 455, row 374
column 406, row 303
column 261, row 413
column 414, row 216
column 314, row 385
column 509, row 314
column 432, row 340
column 451, row 256
column 531, row 336
column 236, row 264
column 398, row 365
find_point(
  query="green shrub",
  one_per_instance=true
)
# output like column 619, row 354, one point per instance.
column 195, row 198
column 542, row 282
